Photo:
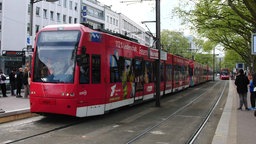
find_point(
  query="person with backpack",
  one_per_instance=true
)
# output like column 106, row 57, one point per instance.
column 2, row 83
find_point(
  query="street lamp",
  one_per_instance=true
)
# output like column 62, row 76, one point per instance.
column 158, row 46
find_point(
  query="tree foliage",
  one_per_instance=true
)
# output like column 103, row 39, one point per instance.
column 226, row 22
column 230, row 59
column 174, row 42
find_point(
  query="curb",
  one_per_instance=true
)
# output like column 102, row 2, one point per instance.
column 9, row 116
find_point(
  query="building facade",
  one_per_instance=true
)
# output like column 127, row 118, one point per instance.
column 15, row 23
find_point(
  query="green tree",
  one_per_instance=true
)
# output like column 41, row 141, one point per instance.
column 230, row 59
column 174, row 42
column 229, row 23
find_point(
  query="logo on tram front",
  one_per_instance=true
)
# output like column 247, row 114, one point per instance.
column 95, row 37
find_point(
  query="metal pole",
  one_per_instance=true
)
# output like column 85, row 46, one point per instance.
column 31, row 18
column 213, row 65
column 158, row 46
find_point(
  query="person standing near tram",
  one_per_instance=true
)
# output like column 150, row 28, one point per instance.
column 19, row 80
column 242, row 83
column 26, row 82
column 12, row 82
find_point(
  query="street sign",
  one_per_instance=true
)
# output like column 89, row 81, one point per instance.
column 29, row 40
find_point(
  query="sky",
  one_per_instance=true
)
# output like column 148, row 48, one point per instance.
column 145, row 11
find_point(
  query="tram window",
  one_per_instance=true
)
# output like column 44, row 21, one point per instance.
column 169, row 72
column 176, row 73
column 139, row 79
column 128, row 74
column 96, row 69
column 183, row 72
column 115, row 68
column 85, row 71
column 162, row 72
column 148, row 72
column 138, row 68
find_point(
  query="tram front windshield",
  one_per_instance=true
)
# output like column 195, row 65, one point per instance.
column 55, row 56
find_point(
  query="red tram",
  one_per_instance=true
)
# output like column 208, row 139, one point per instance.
column 224, row 74
column 82, row 72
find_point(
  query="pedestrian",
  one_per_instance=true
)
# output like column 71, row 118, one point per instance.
column 26, row 77
column 2, row 83
column 12, row 82
column 19, row 82
column 252, row 93
column 253, row 96
column 241, row 83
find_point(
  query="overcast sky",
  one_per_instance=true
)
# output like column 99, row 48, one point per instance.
column 145, row 11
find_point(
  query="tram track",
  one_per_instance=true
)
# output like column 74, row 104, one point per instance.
column 44, row 132
column 197, row 131
column 116, row 122
column 195, row 135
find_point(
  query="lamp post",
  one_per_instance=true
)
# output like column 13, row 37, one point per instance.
column 158, row 46
column 213, row 64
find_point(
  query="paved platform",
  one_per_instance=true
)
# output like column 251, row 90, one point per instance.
column 14, row 108
column 235, row 126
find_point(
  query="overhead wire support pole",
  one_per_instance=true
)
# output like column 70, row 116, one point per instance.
column 158, row 46
column 31, row 17
column 213, row 65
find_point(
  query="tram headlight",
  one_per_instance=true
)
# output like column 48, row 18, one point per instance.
column 68, row 94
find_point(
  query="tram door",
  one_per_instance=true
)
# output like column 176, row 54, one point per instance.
column 138, row 79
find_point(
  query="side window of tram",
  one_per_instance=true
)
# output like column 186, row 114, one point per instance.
column 183, row 72
column 115, row 69
column 96, row 69
column 85, row 71
column 162, row 72
column 148, row 76
column 168, row 72
column 176, row 73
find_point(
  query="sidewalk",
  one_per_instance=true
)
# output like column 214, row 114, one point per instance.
column 14, row 108
column 235, row 126
column 11, row 103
